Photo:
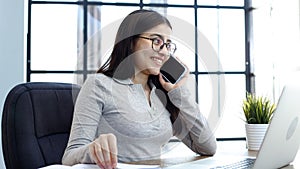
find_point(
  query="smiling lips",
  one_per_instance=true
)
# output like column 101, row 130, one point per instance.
column 157, row 61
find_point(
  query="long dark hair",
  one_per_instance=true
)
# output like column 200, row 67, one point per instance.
column 120, row 66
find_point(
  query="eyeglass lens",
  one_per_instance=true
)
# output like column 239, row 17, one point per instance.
column 158, row 44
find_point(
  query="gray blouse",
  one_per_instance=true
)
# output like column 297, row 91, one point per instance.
column 108, row 105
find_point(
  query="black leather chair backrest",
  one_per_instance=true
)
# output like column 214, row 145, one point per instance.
column 36, row 123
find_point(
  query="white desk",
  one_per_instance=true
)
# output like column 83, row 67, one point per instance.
column 179, row 153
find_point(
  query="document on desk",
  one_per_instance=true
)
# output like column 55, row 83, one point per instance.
column 93, row 166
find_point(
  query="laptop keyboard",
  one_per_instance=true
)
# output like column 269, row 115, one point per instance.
column 243, row 164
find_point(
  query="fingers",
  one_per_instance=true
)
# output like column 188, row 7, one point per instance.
column 112, row 142
column 96, row 155
column 161, row 79
column 105, row 154
column 169, row 86
column 104, row 151
column 166, row 85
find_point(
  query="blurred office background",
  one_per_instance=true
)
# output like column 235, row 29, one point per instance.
column 256, row 44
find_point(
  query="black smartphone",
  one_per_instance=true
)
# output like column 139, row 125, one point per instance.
column 172, row 70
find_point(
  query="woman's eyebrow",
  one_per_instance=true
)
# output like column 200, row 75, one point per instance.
column 161, row 37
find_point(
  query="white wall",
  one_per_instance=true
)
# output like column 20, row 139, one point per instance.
column 11, row 50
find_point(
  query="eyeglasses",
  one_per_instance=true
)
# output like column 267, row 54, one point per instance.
column 158, row 44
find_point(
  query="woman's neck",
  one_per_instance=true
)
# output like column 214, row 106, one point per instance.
column 141, row 79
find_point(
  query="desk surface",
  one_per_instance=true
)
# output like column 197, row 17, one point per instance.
column 178, row 153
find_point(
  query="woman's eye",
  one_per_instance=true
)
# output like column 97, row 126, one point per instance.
column 157, row 41
column 169, row 45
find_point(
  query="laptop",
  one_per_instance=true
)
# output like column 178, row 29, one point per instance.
column 280, row 144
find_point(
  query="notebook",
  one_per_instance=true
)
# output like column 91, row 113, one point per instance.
column 280, row 144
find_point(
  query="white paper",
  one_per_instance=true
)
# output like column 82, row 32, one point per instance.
column 93, row 166
column 135, row 166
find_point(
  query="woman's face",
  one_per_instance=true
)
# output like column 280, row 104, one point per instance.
column 148, row 61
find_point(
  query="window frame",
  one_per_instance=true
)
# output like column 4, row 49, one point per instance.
column 249, row 75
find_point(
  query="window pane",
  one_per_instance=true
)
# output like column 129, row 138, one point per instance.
column 109, row 26
column 227, row 40
column 209, row 98
column 208, row 39
column 191, row 85
column 182, row 21
column 205, row 90
column 114, row 14
column 54, row 37
column 93, row 44
column 232, row 124
column 55, row 77
column 232, row 40
column 222, row 109
column 221, row 2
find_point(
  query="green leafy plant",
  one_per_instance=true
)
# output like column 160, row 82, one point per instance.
column 258, row 109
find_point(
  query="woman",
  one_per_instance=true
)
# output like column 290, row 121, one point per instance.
column 127, row 111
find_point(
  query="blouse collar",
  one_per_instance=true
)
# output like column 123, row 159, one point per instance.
column 128, row 81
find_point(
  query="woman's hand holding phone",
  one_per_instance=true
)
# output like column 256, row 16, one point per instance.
column 167, row 85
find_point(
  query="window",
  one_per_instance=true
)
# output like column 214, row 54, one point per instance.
column 66, row 39
column 276, row 45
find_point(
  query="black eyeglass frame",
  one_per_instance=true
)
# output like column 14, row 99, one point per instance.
column 162, row 46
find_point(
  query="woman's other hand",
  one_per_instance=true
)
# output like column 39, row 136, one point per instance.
column 104, row 151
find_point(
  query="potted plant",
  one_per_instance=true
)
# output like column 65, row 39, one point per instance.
column 258, row 111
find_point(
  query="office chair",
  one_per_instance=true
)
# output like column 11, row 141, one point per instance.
column 36, row 122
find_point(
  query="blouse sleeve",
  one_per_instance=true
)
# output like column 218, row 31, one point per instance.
column 191, row 127
column 87, row 114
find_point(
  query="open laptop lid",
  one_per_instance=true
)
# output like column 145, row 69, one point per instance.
column 282, row 139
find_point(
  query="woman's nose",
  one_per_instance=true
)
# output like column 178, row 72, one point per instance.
column 163, row 50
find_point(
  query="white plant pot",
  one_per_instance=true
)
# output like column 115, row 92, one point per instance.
column 255, row 134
